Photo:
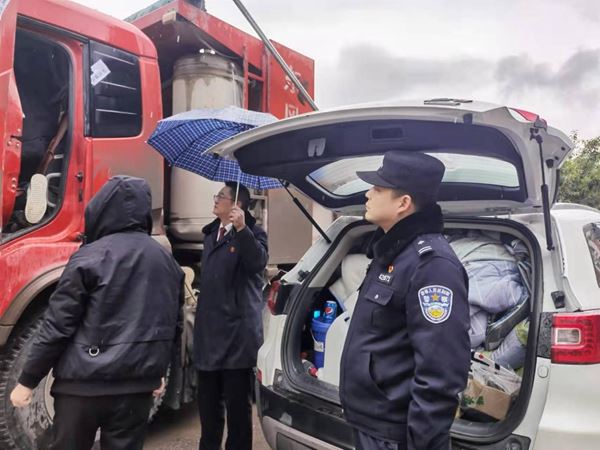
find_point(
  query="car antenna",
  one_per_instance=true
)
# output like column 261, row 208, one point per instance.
column 535, row 136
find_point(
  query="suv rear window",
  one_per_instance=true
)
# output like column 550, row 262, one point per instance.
column 339, row 178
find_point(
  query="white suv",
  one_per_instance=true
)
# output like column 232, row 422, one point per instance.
column 498, row 195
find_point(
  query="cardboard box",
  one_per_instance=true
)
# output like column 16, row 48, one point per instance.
column 485, row 399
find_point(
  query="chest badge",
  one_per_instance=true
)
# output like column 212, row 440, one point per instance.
column 232, row 249
column 436, row 303
column 385, row 278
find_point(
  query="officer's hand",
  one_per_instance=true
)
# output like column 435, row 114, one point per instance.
column 237, row 218
column 21, row 396
column 158, row 392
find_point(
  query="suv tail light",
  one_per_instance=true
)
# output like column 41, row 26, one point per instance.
column 527, row 115
column 272, row 296
column 576, row 338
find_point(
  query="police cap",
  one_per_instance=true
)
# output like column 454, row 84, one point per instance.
column 412, row 172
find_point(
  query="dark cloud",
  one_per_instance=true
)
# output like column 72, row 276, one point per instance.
column 371, row 73
column 518, row 73
column 575, row 80
column 365, row 73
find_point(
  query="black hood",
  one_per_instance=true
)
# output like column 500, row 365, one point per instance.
column 123, row 204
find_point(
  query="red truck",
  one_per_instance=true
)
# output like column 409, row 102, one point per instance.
column 80, row 93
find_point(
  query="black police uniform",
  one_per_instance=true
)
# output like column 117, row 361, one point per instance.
column 406, row 356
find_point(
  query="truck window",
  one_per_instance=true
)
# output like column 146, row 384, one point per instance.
column 115, row 100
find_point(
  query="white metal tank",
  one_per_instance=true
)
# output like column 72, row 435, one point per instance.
column 199, row 81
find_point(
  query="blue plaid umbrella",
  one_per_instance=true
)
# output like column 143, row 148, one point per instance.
column 184, row 138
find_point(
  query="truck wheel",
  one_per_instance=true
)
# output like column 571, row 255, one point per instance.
column 28, row 428
column 24, row 428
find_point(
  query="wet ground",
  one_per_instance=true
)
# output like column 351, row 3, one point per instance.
column 180, row 430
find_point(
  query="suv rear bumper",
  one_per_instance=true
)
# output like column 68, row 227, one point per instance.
column 282, row 437
column 293, row 422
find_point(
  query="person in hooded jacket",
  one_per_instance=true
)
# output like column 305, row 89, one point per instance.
column 228, row 327
column 407, row 352
column 110, row 327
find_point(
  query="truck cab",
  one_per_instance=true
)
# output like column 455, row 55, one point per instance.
column 80, row 93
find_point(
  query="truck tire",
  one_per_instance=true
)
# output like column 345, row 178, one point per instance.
column 24, row 428
column 28, row 428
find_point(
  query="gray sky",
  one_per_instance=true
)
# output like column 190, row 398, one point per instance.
column 541, row 56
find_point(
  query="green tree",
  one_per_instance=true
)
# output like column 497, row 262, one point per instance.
column 580, row 174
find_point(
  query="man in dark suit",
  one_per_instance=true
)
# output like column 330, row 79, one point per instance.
column 228, row 328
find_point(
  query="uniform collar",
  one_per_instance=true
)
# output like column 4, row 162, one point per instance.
column 384, row 247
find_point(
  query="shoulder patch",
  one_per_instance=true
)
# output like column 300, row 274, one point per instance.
column 436, row 303
column 423, row 247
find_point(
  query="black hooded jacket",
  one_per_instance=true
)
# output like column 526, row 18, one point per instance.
column 113, row 319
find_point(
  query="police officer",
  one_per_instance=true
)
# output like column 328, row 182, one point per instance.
column 406, row 356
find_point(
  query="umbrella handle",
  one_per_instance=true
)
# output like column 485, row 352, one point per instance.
column 237, row 190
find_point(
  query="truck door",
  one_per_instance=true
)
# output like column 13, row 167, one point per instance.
column 11, row 114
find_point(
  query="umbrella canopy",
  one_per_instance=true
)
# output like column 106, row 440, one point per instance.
column 184, row 138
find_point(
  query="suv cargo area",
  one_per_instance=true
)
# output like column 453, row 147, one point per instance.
column 533, row 301
column 500, row 259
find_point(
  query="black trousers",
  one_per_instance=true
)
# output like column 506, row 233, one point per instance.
column 122, row 420
column 226, row 389
column 363, row 441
